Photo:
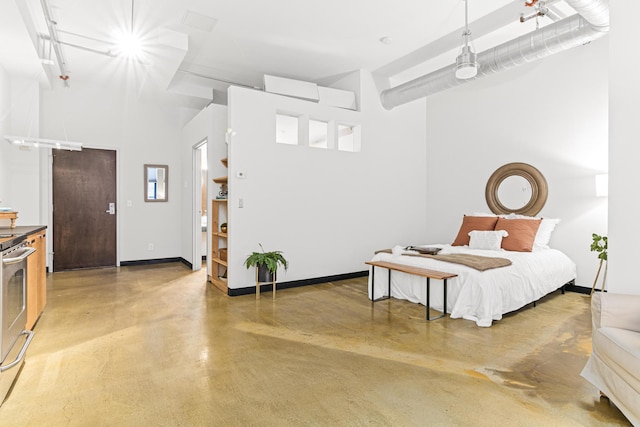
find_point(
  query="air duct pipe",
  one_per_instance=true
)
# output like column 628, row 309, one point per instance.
column 591, row 23
column 596, row 12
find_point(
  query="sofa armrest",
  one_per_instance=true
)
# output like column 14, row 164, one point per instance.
column 615, row 311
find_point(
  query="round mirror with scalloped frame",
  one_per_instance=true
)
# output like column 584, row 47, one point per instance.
column 516, row 188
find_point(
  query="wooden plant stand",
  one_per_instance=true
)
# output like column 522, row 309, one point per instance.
column 273, row 283
column 604, row 278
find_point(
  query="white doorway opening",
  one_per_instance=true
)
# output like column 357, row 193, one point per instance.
column 201, row 227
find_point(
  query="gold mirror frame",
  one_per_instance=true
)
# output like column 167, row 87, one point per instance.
column 539, row 190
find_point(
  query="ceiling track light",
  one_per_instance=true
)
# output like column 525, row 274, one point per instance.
column 466, row 62
column 23, row 141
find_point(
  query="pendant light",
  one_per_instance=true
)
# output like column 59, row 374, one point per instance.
column 466, row 63
column 23, row 141
column 128, row 43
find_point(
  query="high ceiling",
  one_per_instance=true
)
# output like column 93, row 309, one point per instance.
column 192, row 47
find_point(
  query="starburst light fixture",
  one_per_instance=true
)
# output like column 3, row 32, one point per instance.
column 128, row 42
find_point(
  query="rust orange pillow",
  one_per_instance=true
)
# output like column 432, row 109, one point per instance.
column 470, row 223
column 522, row 233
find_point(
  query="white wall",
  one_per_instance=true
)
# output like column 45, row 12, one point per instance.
column 326, row 210
column 551, row 114
column 624, row 150
column 20, row 167
column 143, row 128
column 210, row 123
column 25, row 164
column 5, row 126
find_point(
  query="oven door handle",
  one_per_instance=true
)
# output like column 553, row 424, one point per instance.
column 25, row 253
column 22, row 351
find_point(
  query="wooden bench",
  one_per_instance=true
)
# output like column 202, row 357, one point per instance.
column 416, row 271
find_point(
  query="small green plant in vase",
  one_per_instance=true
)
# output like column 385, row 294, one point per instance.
column 266, row 264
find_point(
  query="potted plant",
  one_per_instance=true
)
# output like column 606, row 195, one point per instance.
column 599, row 244
column 266, row 263
column 223, row 227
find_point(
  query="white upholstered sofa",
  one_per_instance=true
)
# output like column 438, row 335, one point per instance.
column 614, row 365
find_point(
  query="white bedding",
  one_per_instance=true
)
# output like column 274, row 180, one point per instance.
column 481, row 296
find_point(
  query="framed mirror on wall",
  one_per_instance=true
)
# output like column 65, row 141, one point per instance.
column 156, row 183
column 516, row 188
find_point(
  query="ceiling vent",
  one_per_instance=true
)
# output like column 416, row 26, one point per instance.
column 198, row 21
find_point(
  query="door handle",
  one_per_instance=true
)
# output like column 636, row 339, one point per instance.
column 112, row 209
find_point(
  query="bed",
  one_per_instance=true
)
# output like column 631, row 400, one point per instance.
column 515, row 193
column 480, row 296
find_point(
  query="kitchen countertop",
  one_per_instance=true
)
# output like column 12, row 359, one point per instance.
column 12, row 236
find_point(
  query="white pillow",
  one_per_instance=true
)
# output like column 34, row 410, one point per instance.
column 543, row 236
column 518, row 216
column 486, row 239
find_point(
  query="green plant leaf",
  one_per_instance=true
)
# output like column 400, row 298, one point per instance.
column 600, row 244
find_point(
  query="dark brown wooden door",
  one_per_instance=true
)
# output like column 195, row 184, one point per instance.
column 84, row 232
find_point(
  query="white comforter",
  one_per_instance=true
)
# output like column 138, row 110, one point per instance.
column 481, row 296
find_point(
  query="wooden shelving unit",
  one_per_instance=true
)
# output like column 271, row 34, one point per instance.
column 219, row 240
column 221, row 180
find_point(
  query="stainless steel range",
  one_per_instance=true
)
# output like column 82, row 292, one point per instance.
column 14, row 339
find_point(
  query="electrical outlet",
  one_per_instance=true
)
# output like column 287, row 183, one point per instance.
column 150, row 246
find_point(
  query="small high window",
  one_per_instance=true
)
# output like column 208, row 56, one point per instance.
column 348, row 138
column 318, row 134
column 286, row 129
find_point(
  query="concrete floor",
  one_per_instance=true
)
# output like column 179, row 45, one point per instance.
column 157, row 346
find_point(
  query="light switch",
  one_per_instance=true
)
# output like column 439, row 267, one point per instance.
column 241, row 203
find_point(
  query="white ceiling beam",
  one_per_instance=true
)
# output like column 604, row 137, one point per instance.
column 29, row 23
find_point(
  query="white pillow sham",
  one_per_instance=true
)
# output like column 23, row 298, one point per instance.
column 543, row 236
column 491, row 240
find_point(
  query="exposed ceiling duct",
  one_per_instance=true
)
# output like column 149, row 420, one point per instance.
column 591, row 23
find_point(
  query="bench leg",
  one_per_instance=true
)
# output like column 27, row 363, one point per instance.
column 428, row 298
column 444, row 302
column 373, row 288
column 373, row 282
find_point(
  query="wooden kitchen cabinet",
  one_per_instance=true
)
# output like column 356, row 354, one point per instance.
column 36, row 277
